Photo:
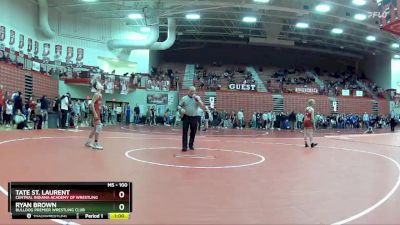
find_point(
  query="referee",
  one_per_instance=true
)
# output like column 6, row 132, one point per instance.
column 188, row 110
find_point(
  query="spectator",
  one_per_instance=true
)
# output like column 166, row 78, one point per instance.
column 44, row 108
column 137, row 114
column 2, row 104
column 292, row 120
column 240, row 117
column 20, row 120
column 38, row 116
column 8, row 113
column 64, row 102
column 17, row 99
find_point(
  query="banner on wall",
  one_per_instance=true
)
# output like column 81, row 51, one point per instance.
column 359, row 93
column 29, row 44
column 306, row 90
column 109, row 84
column 345, row 92
column 12, row 37
column 21, row 41
column 157, row 99
column 2, row 33
column 171, row 99
column 36, row 48
column 94, row 77
column 79, row 54
column 36, row 66
column 124, row 81
column 70, row 54
column 46, row 49
column 58, row 51
column 212, row 102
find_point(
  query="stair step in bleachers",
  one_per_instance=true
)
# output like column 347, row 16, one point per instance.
column 278, row 103
column 188, row 78
column 260, row 84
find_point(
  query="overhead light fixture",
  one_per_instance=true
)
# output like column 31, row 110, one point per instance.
column 131, row 65
column 302, row 25
column 337, row 31
column 360, row 17
column 89, row 0
column 371, row 38
column 115, row 60
column 145, row 29
column 323, row 8
column 249, row 19
column 396, row 56
column 261, row 1
column 395, row 45
column 135, row 16
column 192, row 16
column 359, row 2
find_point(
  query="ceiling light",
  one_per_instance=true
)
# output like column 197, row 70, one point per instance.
column 115, row 60
column 135, row 16
column 396, row 56
column 249, row 19
column 360, row 17
column 337, row 31
column 322, row 8
column 131, row 65
column 302, row 25
column 192, row 16
column 145, row 29
column 395, row 45
column 261, row 1
column 359, row 2
column 371, row 38
column 89, row 0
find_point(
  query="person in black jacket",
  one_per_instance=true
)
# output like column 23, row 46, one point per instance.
column 292, row 120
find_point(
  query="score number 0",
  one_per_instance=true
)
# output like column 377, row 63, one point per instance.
column 121, row 206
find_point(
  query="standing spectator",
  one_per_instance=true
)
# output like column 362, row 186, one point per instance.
column 207, row 117
column 2, row 104
column 44, row 108
column 17, row 99
column 199, row 116
column 137, row 114
column 8, row 113
column 128, row 114
column 177, row 118
column 56, row 109
column 292, row 120
column 365, row 120
column 38, row 120
column 299, row 118
column 392, row 120
column 240, row 117
column 64, row 102
column 153, row 116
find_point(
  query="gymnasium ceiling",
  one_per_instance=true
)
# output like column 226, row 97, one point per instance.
column 221, row 22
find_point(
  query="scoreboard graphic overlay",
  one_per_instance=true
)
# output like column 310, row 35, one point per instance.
column 71, row 200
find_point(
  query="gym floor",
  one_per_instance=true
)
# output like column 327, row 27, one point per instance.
column 233, row 176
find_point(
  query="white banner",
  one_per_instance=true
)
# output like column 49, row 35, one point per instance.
column 124, row 82
column 345, row 92
column 306, row 90
column 359, row 93
column 109, row 84
column 36, row 66
column 212, row 102
column 243, row 87
column 94, row 77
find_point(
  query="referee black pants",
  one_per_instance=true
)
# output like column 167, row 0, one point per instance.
column 188, row 121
